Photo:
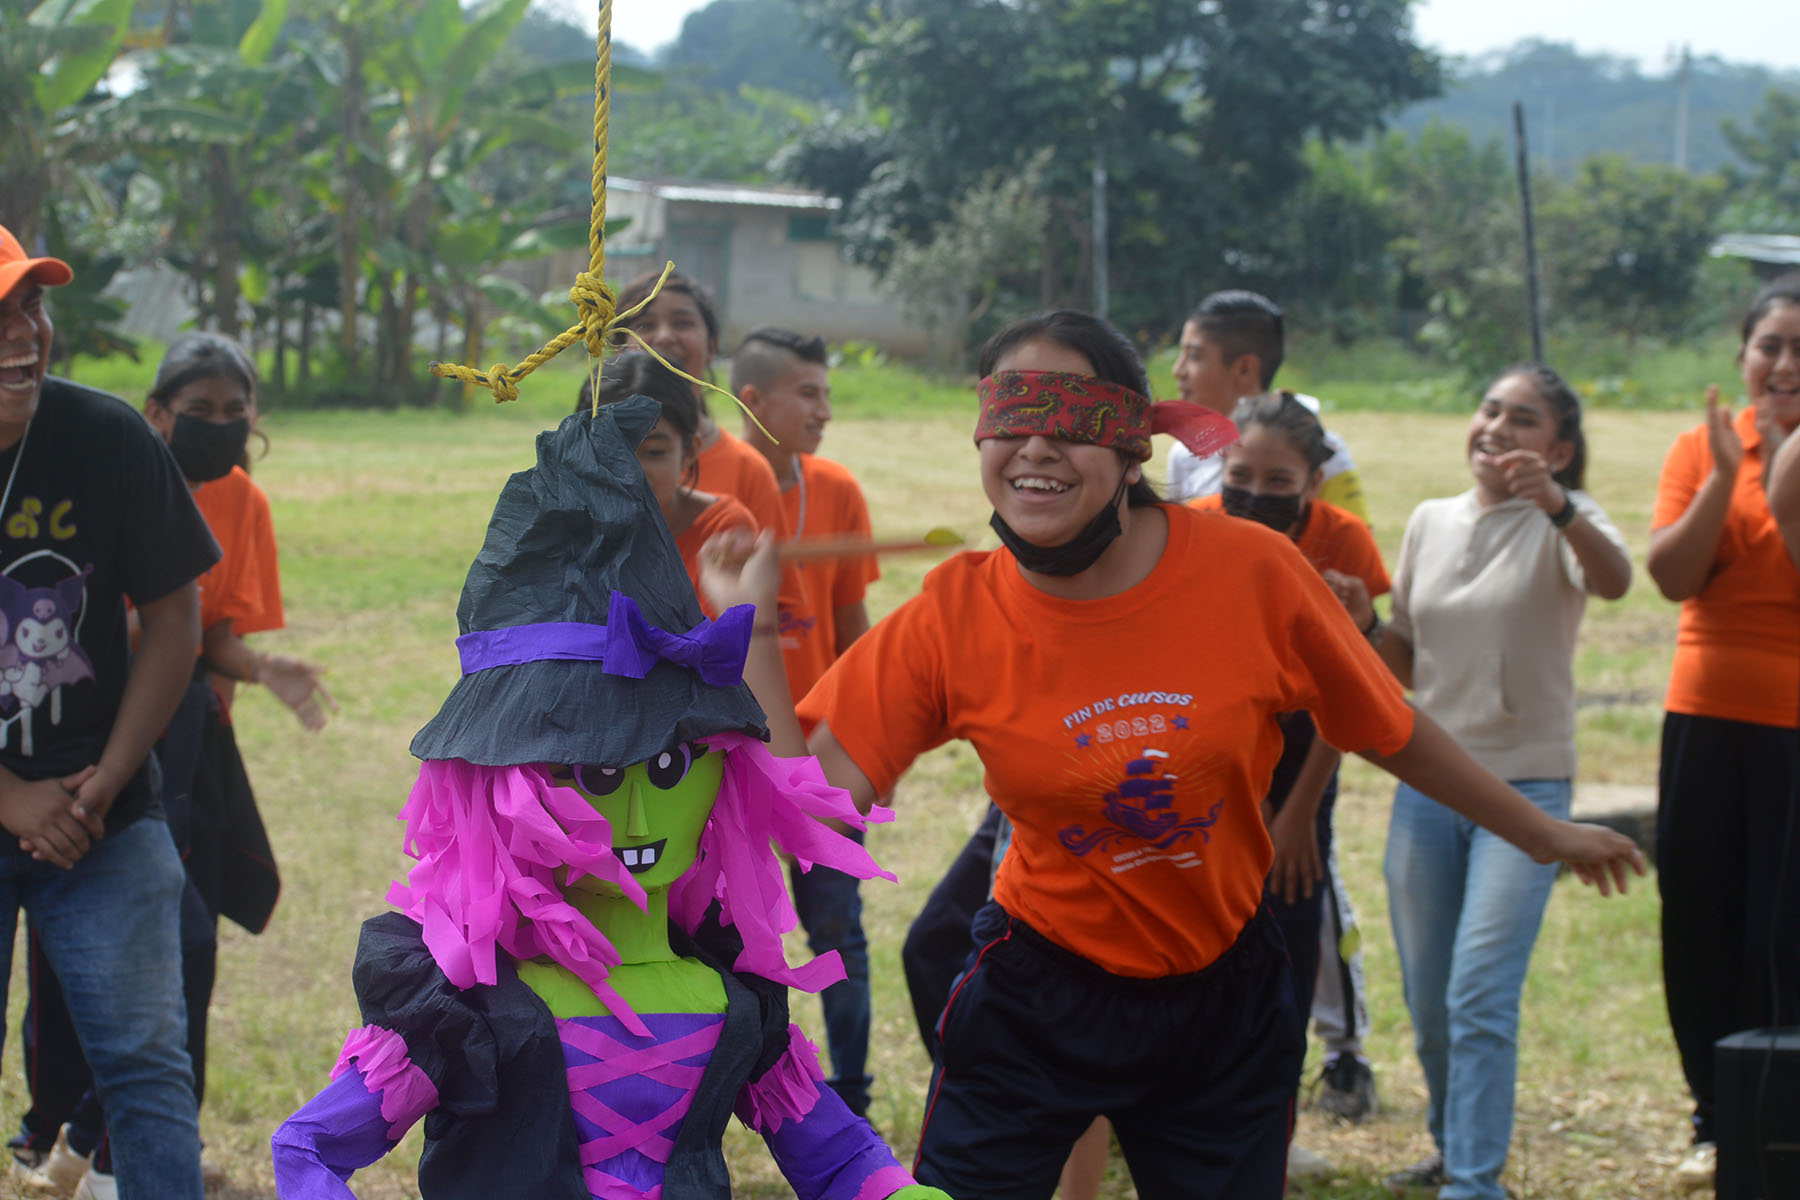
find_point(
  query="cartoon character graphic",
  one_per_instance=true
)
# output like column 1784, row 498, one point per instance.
column 41, row 655
column 1142, row 809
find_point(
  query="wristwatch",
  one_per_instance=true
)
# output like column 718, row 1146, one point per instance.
column 1562, row 516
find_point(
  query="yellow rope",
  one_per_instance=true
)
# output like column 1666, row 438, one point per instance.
column 593, row 299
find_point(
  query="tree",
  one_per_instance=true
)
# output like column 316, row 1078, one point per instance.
column 1767, row 193
column 49, row 62
column 986, row 249
column 1204, row 111
column 1461, row 253
column 731, row 44
column 1623, row 244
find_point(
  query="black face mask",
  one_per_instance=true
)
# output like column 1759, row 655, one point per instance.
column 206, row 450
column 1073, row 556
column 1280, row 513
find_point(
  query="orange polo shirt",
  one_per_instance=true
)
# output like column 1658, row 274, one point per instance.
column 1737, row 646
column 1334, row 539
column 733, row 467
column 827, row 502
column 723, row 513
column 1130, row 739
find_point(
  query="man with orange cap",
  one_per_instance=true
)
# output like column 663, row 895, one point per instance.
column 93, row 509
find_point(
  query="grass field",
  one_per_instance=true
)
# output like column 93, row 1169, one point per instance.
column 379, row 515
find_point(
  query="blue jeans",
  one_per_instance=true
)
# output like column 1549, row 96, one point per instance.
column 830, row 910
column 1466, row 906
column 110, row 928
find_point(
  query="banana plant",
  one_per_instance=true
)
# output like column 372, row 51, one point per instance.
column 50, row 60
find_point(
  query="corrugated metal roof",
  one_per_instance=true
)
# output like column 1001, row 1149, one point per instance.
column 745, row 195
column 1759, row 247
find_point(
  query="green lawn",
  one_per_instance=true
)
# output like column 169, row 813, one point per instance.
column 379, row 515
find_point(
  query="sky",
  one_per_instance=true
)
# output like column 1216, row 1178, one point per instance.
column 1753, row 31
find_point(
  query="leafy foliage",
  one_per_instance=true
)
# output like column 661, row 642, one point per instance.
column 733, row 44
column 1197, row 107
column 1583, row 104
column 1767, row 196
column 1625, row 243
column 987, row 250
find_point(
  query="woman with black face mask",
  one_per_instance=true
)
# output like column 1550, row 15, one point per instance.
column 1272, row 476
column 203, row 403
column 1118, row 665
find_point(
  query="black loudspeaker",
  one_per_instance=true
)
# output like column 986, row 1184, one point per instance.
column 1757, row 1118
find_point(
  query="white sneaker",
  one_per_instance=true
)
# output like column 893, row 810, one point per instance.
column 1699, row 1170
column 1305, row 1164
column 57, row 1173
column 212, row 1175
column 95, row 1186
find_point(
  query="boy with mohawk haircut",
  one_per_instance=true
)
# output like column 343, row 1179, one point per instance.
column 783, row 378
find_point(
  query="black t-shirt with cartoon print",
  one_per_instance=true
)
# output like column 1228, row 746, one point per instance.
column 94, row 511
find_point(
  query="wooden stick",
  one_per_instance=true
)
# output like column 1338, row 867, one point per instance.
column 821, row 549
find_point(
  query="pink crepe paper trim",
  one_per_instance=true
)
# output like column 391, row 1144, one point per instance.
column 787, row 1091
column 602, row 1186
column 490, row 841
column 380, row 1055
column 762, row 800
column 885, row 1182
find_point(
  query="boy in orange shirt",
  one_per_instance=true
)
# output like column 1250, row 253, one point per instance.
column 782, row 378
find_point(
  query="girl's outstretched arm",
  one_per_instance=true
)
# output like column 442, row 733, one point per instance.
column 1784, row 495
column 1432, row 762
column 734, row 571
column 299, row 685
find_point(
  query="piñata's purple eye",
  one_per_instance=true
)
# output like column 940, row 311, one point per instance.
column 670, row 767
column 599, row 781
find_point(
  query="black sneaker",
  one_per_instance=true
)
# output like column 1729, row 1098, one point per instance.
column 1427, row 1173
column 1346, row 1089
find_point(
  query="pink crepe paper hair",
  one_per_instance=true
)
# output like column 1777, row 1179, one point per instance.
column 765, row 799
column 490, row 841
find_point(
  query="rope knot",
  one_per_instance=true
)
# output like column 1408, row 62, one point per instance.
column 500, row 380
column 594, row 305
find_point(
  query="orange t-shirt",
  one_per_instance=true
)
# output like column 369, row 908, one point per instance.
column 826, row 502
column 1334, row 539
column 244, row 586
column 1737, row 647
column 725, row 512
column 733, row 467
column 1130, row 739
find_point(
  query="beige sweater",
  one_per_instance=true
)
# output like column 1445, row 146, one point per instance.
column 1491, row 599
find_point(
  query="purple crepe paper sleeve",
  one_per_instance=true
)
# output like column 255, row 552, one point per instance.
column 334, row 1135
column 825, row 1151
column 380, row 1054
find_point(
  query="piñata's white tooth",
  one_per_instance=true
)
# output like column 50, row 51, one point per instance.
column 649, row 857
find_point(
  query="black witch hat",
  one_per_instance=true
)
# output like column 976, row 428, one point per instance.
column 582, row 639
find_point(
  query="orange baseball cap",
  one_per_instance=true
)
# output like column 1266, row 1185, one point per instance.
column 15, row 265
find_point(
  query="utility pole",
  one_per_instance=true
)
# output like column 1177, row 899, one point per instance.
column 1101, row 267
column 1684, row 88
column 1533, row 300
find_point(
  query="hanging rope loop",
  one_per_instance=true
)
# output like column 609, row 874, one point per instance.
column 593, row 301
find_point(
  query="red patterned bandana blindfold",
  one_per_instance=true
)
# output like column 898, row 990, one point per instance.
column 1083, row 409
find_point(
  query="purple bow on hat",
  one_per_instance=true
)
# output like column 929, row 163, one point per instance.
column 626, row 645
